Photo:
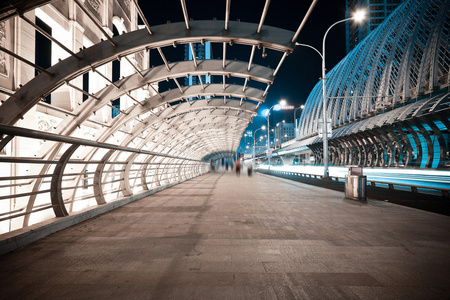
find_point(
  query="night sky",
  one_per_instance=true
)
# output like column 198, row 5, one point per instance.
column 300, row 71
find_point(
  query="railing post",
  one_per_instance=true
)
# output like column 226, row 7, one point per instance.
column 98, row 187
column 56, row 193
column 125, row 183
column 144, row 174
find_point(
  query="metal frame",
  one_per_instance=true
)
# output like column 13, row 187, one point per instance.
column 390, row 87
column 165, row 137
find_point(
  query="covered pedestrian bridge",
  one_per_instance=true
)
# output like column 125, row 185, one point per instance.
column 88, row 120
column 92, row 131
column 388, row 100
column 91, row 125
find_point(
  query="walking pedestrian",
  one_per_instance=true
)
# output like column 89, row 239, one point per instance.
column 238, row 167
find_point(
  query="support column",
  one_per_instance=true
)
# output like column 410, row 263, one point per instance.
column 440, row 138
column 125, row 183
column 98, row 186
column 416, row 142
column 405, row 140
column 427, row 138
column 55, row 188
column 144, row 174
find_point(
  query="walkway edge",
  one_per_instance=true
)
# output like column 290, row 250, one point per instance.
column 16, row 239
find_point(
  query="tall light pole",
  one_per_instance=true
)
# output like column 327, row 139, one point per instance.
column 254, row 139
column 358, row 17
column 295, row 119
column 278, row 130
column 269, row 154
column 246, row 135
column 281, row 106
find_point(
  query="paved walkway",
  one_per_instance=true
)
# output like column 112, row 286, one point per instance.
column 222, row 237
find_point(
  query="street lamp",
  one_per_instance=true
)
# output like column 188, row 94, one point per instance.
column 254, row 139
column 278, row 131
column 295, row 119
column 358, row 16
column 280, row 106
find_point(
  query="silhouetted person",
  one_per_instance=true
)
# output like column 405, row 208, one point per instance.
column 212, row 166
column 238, row 168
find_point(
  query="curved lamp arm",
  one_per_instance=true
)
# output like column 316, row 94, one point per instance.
column 309, row 46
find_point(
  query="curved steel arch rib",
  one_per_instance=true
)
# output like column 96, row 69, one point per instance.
column 220, row 154
column 210, row 104
column 154, row 140
column 390, row 89
column 201, row 108
column 157, row 74
column 176, row 95
column 388, row 68
column 88, row 108
column 186, row 128
column 164, row 35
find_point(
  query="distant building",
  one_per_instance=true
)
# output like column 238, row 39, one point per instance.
column 248, row 137
column 377, row 12
column 284, row 132
column 202, row 51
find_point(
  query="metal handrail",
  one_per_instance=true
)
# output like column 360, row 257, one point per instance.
column 445, row 191
column 55, row 181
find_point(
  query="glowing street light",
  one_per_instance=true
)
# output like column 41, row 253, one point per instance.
column 254, row 139
column 295, row 119
column 282, row 105
column 358, row 17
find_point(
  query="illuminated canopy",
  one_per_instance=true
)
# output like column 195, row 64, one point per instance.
column 80, row 154
column 388, row 99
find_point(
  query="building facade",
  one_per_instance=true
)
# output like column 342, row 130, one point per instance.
column 284, row 132
column 377, row 12
column 45, row 36
column 202, row 51
column 388, row 98
column 90, row 127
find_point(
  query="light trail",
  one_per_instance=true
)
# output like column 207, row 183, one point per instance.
column 433, row 179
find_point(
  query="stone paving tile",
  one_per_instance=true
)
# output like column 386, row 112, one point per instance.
column 232, row 267
column 261, row 279
column 291, row 266
column 341, row 279
column 394, row 293
column 326, row 292
column 219, row 237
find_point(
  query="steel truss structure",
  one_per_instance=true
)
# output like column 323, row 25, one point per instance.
column 388, row 100
column 162, row 137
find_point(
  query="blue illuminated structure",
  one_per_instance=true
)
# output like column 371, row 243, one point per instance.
column 202, row 51
column 377, row 12
column 388, row 99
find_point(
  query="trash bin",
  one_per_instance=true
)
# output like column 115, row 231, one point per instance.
column 355, row 183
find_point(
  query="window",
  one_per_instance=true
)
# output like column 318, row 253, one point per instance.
column 43, row 52
column 85, row 85
column 115, row 77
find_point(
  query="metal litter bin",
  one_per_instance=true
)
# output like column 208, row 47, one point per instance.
column 355, row 183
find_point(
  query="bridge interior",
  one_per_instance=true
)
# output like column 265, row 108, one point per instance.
column 84, row 120
column 87, row 127
column 222, row 237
